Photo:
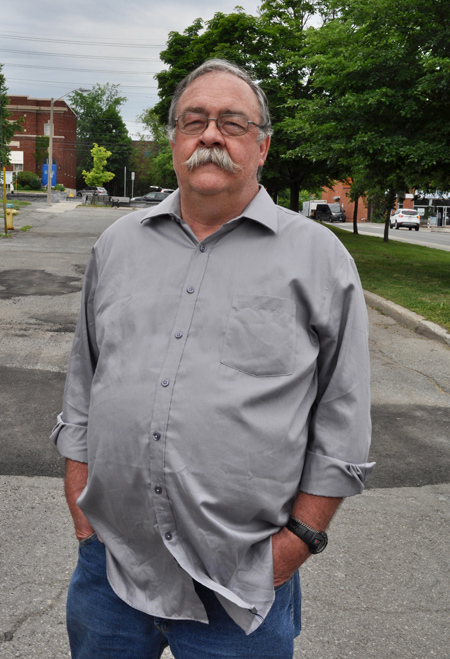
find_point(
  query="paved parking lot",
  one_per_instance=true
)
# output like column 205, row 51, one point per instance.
column 380, row 590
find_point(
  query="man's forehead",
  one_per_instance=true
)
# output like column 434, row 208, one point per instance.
column 229, row 91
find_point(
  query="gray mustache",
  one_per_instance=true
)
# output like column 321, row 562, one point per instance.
column 219, row 157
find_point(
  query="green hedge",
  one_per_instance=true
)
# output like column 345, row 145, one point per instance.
column 28, row 181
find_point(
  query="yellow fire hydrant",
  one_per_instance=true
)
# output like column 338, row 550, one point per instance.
column 10, row 212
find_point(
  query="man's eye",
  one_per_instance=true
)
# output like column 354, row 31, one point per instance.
column 193, row 122
column 233, row 124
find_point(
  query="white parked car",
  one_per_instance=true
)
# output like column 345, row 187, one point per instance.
column 405, row 217
column 90, row 189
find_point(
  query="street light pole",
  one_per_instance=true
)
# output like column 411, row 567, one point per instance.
column 50, row 144
column 3, row 168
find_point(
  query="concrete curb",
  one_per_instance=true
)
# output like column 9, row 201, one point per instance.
column 408, row 318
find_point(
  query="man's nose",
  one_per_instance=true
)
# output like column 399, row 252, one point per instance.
column 212, row 134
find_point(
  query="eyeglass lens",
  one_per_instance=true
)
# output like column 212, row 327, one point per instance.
column 193, row 123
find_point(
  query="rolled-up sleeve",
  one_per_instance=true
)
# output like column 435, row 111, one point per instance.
column 70, row 431
column 340, row 430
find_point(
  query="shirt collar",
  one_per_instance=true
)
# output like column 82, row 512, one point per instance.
column 261, row 209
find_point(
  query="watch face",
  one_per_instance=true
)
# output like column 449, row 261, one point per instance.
column 319, row 543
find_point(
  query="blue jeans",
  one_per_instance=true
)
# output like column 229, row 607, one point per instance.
column 102, row 626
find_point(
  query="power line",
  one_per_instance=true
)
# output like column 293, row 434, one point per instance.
column 116, row 44
column 63, row 68
column 64, row 84
column 149, row 94
column 102, row 57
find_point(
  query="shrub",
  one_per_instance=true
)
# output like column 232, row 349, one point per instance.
column 28, row 181
column 59, row 187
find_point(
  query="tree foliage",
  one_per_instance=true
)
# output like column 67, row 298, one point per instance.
column 100, row 122
column 266, row 47
column 98, row 175
column 8, row 128
column 152, row 159
column 363, row 97
column 380, row 81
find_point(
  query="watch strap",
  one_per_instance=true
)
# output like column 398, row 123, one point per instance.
column 316, row 540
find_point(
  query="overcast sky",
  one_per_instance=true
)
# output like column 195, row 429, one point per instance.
column 48, row 48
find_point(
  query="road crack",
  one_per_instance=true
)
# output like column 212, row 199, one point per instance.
column 9, row 634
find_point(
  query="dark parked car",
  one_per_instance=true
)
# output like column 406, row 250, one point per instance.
column 150, row 199
column 329, row 213
column 90, row 189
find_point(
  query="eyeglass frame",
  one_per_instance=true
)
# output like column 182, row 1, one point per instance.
column 216, row 119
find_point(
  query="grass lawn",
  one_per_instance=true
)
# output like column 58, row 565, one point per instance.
column 19, row 204
column 413, row 276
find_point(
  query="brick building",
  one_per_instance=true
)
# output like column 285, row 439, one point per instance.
column 36, row 119
column 340, row 193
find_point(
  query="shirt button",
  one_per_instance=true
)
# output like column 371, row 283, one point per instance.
column 190, row 289
column 158, row 489
column 202, row 248
column 168, row 536
column 165, row 383
column 178, row 335
column 156, row 436
column 254, row 609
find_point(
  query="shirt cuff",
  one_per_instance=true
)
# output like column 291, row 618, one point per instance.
column 70, row 440
column 330, row 477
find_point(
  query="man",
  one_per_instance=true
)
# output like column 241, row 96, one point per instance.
column 217, row 401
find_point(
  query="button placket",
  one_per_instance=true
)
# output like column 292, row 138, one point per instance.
column 160, row 416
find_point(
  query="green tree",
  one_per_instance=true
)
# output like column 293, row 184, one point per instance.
column 152, row 159
column 8, row 128
column 284, row 78
column 265, row 46
column 380, row 76
column 100, row 122
column 98, row 175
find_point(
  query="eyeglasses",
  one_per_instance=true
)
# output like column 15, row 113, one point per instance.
column 232, row 125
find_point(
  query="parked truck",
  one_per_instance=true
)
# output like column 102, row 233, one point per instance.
column 317, row 209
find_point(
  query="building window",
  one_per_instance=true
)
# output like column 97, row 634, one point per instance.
column 18, row 167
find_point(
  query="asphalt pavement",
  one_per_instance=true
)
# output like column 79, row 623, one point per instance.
column 382, row 587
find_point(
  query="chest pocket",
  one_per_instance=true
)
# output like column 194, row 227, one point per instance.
column 260, row 336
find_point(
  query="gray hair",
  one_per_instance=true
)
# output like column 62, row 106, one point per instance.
column 221, row 66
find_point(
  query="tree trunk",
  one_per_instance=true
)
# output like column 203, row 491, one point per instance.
column 387, row 226
column 390, row 198
column 294, row 194
column 273, row 191
column 355, row 216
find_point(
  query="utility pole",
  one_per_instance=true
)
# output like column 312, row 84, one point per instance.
column 3, row 165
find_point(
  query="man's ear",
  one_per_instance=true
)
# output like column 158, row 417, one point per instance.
column 264, row 150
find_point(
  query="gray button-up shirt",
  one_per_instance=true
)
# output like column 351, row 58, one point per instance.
column 209, row 383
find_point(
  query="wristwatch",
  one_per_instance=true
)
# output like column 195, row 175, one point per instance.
column 316, row 540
